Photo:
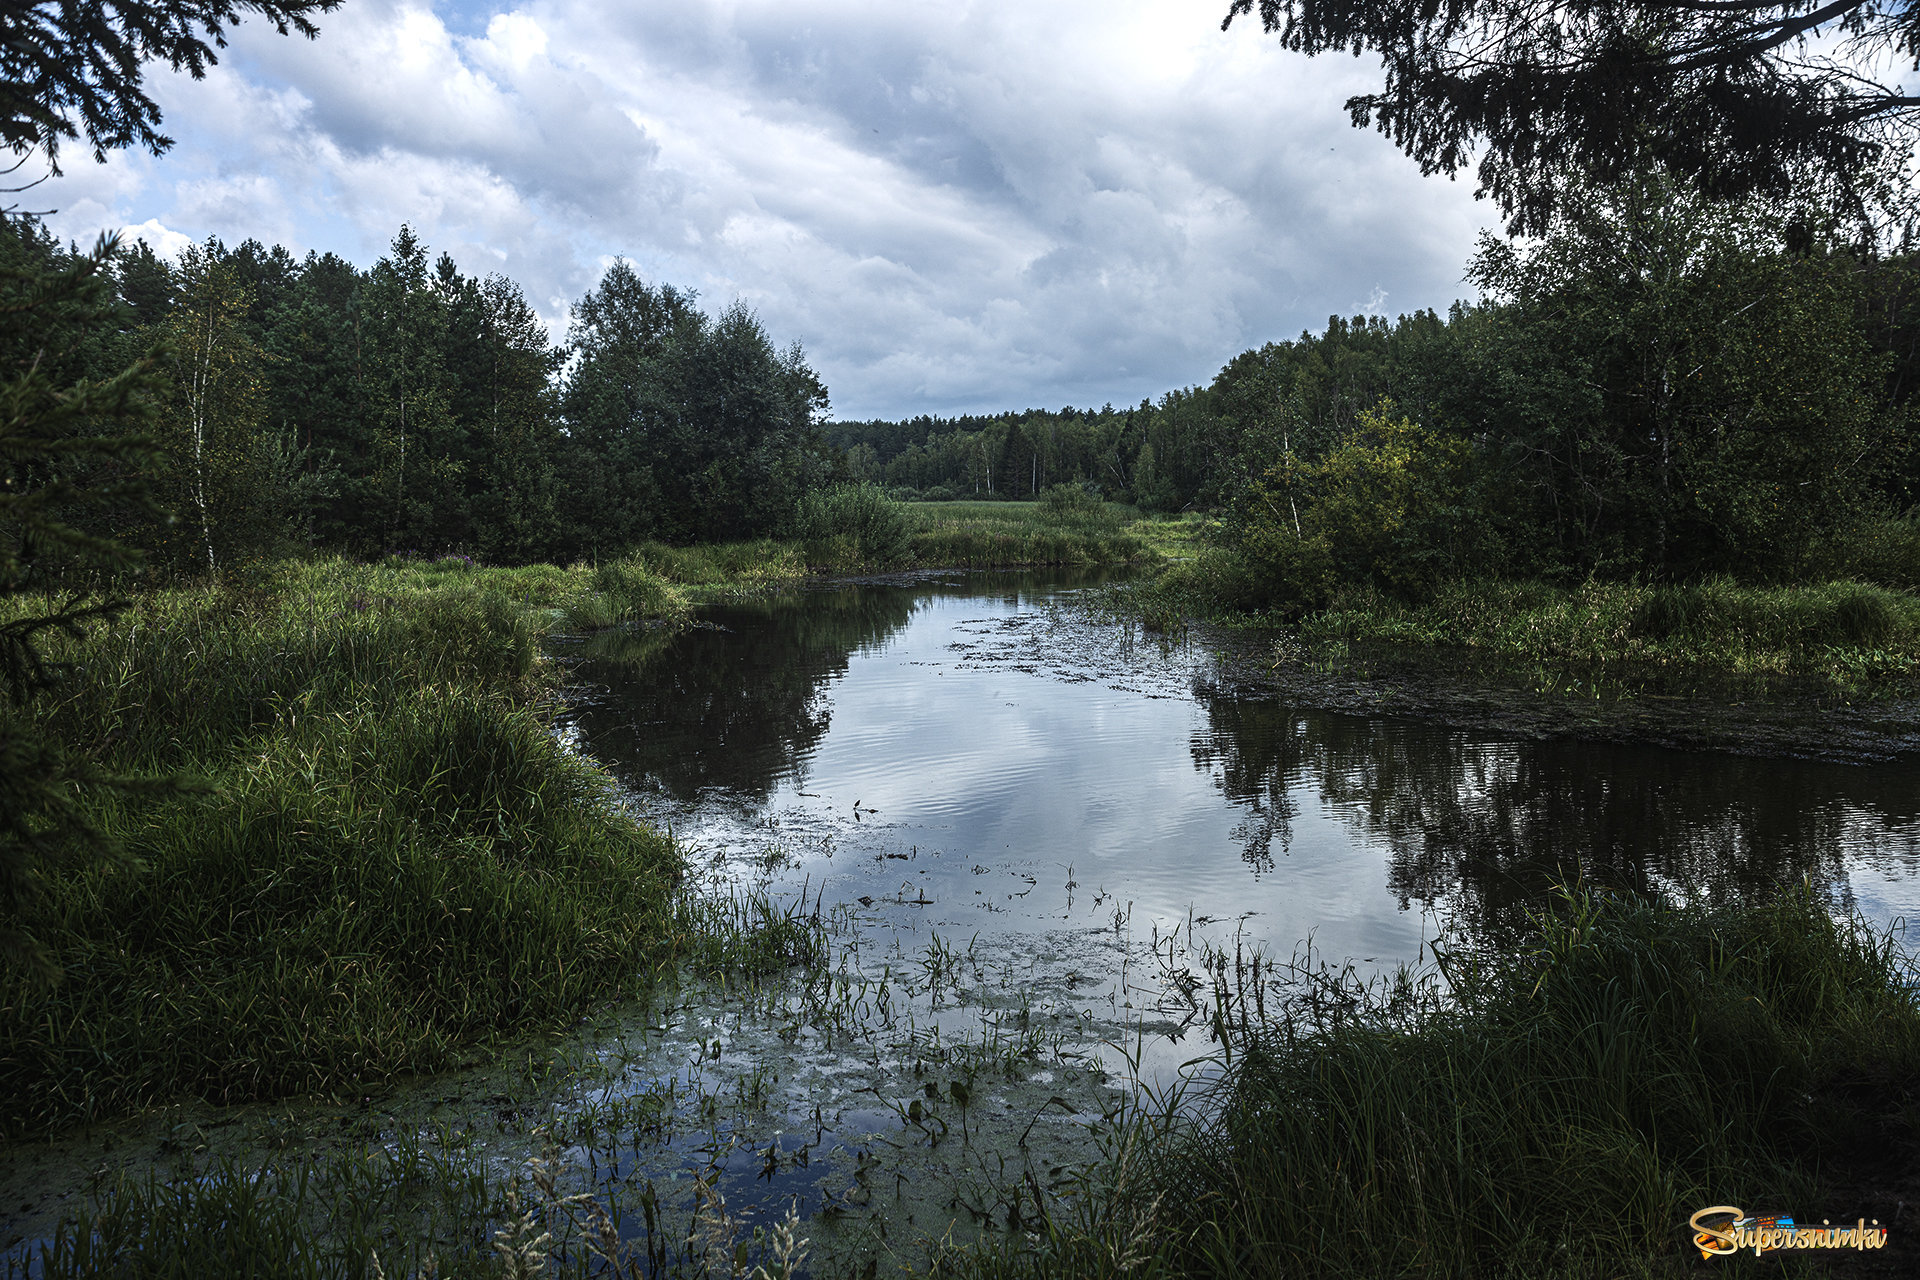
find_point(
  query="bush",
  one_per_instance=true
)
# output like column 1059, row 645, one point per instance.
column 1066, row 501
column 1393, row 504
column 1888, row 553
column 852, row 524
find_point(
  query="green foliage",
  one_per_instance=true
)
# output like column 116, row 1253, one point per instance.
column 1885, row 551
column 850, row 525
column 1624, row 1063
column 684, row 427
column 1690, row 398
column 73, row 70
column 67, row 444
column 1387, row 504
column 234, row 486
column 1766, row 99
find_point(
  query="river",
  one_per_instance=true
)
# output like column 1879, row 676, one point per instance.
column 1041, row 849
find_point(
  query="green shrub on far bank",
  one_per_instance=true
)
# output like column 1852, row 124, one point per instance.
column 1558, row 1112
column 852, row 526
column 1886, row 552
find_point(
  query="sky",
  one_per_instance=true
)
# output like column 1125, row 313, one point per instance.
column 953, row 206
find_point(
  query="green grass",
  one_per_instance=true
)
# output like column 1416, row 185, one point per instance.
column 980, row 535
column 1853, row 636
column 1557, row 1109
column 398, row 863
column 1850, row 633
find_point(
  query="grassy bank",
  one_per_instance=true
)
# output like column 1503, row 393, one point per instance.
column 397, row 863
column 975, row 535
column 1005, row 534
column 1554, row 1109
column 855, row 530
column 1857, row 637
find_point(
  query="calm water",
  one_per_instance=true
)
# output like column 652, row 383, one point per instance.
column 969, row 755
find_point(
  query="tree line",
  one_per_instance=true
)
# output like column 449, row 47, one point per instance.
column 410, row 407
column 1660, row 386
column 1155, row 455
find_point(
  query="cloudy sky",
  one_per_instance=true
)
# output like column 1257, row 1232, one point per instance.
column 955, row 206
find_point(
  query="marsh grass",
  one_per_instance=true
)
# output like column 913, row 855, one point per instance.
column 1853, row 636
column 1850, row 633
column 983, row 535
column 404, row 1210
column 397, row 862
column 409, row 1210
column 1553, row 1109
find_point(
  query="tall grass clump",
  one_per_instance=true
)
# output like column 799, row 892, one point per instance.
column 724, row 565
column 396, row 862
column 1854, row 634
column 852, row 526
column 987, row 535
column 373, row 888
column 187, row 672
column 1556, row 1109
column 627, row 590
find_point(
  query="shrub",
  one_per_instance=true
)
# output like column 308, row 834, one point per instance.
column 1066, row 501
column 852, row 522
column 1888, row 553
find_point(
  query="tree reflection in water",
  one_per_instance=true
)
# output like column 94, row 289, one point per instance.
column 1482, row 828
column 736, row 702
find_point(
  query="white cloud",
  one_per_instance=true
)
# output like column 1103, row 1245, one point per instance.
column 954, row 207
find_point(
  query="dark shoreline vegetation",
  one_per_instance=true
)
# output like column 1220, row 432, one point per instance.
column 1552, row 1107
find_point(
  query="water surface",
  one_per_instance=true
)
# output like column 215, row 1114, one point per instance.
column 971, row 755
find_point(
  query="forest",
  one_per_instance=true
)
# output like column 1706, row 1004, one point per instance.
column 301, row 403
column 1660, row 389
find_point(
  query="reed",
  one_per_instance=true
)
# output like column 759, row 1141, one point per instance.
column 1553, row 1108
column 398, row 863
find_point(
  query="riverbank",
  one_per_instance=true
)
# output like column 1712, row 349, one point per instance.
column 1829, row 670
column 1556, row 1107
column 389, row 862
column 1859, row 638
